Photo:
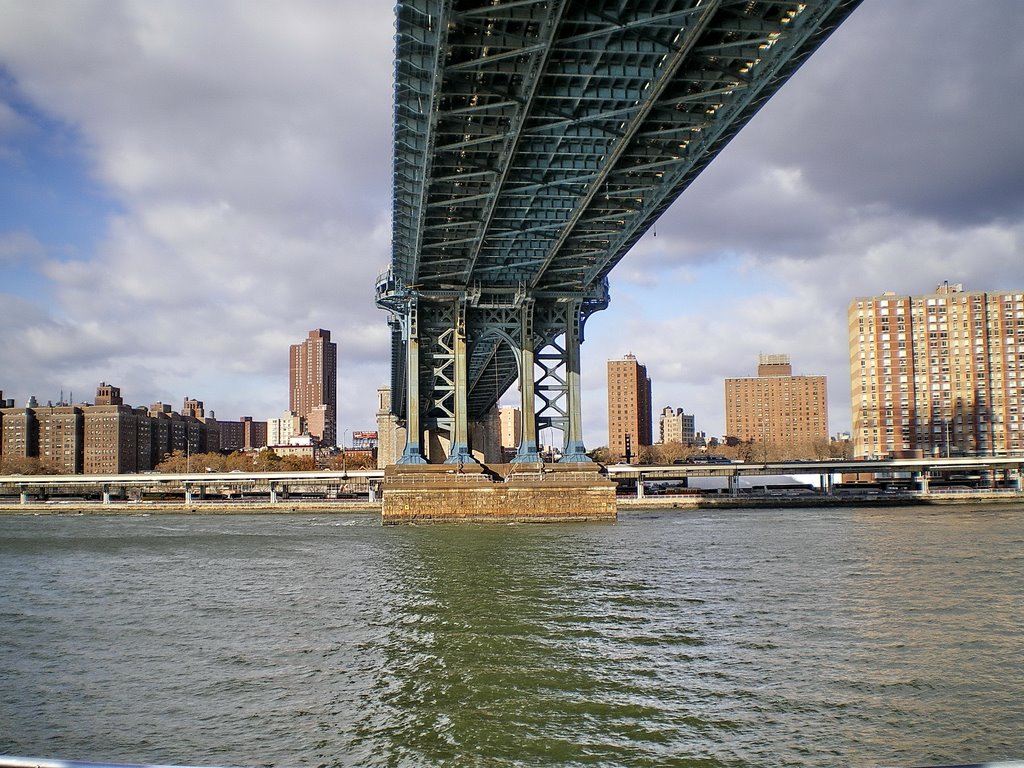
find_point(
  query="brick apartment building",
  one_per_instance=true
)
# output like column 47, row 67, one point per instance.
column 629, row 405
column 776, row 408
column 313, row 385
column 107, row 437
column 940, row 373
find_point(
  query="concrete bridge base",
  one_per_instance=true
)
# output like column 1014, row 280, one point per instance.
column 529, row 493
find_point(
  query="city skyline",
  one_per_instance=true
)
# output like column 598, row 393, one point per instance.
column 167, row 194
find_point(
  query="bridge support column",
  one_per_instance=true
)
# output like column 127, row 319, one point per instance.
column 527, row 453
column 273, row 494
column 639, row 486
column 413, row 453
column 106, row 495
column 575, row 451
column 188, row 496
column 734, row 485
column 922, row 481
column 24, row 497
column 459, row 451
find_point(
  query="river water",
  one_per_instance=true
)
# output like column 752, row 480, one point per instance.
column 859, row 637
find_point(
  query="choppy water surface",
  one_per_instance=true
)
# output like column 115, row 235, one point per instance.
column 790, row 637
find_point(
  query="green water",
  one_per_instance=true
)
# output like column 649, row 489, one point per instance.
column 732, row 638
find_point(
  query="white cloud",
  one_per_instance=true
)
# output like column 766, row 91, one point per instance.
column 246, row 147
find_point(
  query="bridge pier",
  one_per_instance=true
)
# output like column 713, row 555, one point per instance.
column 23, row 497
column 439, row 493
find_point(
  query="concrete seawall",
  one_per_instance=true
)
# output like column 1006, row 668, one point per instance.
column 566, row 494
column 198, row 508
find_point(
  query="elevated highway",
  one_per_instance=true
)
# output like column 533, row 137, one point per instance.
column 272, row 486
column 269, row 486
column 920, row 473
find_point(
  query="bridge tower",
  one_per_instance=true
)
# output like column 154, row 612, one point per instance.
column 462, row 353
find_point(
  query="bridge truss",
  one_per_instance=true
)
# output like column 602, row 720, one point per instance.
column 535, row 142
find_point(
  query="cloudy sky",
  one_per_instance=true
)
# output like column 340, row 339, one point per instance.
column 188, row 187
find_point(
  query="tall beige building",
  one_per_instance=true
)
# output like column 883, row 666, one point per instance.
column 942, row 373
column 629, row 405
column 776, row 408
column 511, row 421
column 674, row 426
column 313, row 384
column 280, row 431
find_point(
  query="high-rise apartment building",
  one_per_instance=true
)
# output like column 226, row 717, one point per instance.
column 20, row 435
column 510, row 419
column 61, row 438
column 629, row 405
column 942, row 373
column 313, row 385
column 674, row 426
column 118, row 439
column 107, row 437
column 776, row 408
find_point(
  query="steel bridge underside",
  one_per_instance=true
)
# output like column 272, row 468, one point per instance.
column 535, row 142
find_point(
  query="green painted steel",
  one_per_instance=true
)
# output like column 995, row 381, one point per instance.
column 535, row 142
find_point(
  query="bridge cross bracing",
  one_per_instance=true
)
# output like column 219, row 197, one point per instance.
column 535, row 142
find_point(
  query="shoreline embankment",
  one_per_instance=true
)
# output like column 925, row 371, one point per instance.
column 624, row 504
